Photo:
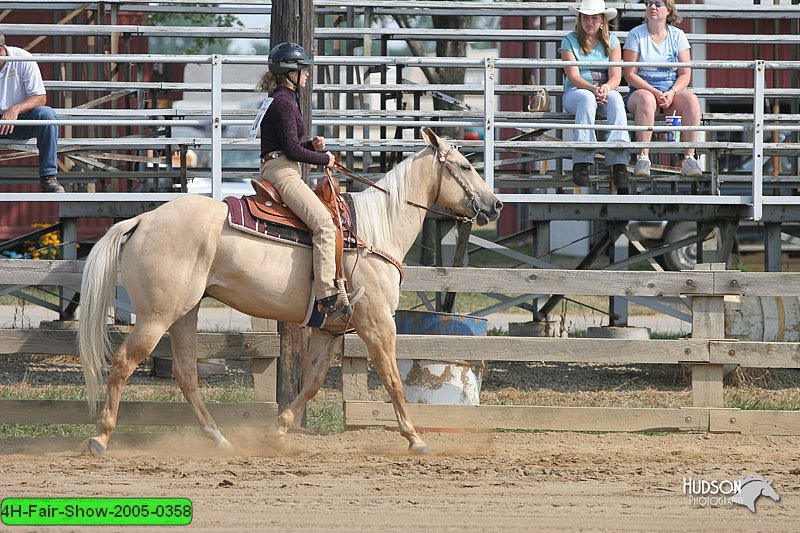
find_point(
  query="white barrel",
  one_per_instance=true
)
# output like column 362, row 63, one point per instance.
column 440, row 382
column 762, row 318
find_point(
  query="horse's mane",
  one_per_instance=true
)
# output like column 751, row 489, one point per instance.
column 374, row 208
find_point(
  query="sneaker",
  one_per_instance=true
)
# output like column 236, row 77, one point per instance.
column 690, row 168
column 50, row 184
column 642, row 168
column 619, row 175
column 580, row 174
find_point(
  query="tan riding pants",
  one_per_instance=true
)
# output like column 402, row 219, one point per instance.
column 285, row 175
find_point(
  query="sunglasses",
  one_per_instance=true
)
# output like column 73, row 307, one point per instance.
column 656, row 4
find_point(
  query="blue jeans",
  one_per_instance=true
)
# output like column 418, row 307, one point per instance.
column 46, row 138
column 583, row 104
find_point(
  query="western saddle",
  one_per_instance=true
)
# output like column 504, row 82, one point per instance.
column 267, row 205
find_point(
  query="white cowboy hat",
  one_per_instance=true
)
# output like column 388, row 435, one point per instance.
column 593, row 7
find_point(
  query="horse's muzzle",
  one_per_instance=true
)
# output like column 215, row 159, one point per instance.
column 484, row 216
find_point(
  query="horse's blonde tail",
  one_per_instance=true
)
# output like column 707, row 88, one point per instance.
column 97, row 292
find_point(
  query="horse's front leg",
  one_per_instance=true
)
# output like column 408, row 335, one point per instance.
column 380, row 336
column 321, row 351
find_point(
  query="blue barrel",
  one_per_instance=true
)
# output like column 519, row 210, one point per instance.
column 439, row 382
column 433, row 323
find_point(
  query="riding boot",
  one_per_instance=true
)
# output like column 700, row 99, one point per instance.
column 334, row 307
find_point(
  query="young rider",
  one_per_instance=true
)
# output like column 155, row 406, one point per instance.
column 282, row 151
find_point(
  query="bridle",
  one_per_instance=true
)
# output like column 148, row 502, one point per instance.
column 472, row 200
column 441, row 157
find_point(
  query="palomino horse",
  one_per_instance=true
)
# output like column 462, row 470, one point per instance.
column 184, row 250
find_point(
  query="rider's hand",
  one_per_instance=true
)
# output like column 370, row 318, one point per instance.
column 318, row 143
column 331, row 160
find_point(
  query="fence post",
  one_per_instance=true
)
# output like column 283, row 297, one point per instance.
column 264, row 370
column 354, row 379
column 708, row 322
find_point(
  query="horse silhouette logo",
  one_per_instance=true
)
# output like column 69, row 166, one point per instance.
column 753, row 487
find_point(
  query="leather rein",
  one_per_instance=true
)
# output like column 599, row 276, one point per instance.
column 472, row 200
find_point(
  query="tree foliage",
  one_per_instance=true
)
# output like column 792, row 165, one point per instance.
column 443, row 48
column 191, row 45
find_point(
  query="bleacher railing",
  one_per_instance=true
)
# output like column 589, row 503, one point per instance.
column 487, row 119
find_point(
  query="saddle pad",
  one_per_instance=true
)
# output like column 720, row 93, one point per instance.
column 239, row 217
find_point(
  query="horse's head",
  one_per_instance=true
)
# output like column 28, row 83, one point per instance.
column 458, row 185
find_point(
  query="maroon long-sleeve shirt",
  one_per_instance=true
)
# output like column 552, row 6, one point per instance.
column 282, row 129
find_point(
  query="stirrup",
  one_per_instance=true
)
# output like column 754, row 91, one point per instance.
column 342, row 310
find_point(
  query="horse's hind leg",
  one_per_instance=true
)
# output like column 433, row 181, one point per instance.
column 183, row 335
column 322, row 349
column 139, row 344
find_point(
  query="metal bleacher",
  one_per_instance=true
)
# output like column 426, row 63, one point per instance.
column 119, row 139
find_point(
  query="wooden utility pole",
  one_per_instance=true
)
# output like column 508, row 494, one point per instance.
column 293, row 21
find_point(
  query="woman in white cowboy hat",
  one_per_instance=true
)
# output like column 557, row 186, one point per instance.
column 592, row 89
column 658, row 89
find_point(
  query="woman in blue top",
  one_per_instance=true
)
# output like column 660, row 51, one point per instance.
column 664, row 89
column 592, row 88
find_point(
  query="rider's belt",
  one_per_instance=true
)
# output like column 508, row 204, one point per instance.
column 271, row 155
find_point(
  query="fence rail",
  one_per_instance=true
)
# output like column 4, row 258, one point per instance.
column 706, row 352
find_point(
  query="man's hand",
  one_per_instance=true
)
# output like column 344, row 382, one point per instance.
column 13, row 112
column 9, row 114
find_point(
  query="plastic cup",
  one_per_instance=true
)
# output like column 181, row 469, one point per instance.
column 673, row 120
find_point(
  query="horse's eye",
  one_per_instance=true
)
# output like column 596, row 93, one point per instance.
column 466, row 167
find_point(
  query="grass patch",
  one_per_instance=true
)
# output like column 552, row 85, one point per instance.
column 757, row 398
column 325, row 418
column 41, row 430
column 211, row 303
column 651, row 398
column 48, row 294
column 665, row 335
column 168, row 392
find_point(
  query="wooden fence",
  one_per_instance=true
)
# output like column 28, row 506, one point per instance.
column 706, row 352
column 260, row 347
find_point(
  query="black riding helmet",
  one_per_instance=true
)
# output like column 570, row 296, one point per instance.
column 287, row 57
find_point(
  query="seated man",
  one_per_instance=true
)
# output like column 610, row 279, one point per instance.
column 23, row 97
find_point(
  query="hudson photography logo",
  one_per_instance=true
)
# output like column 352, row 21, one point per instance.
column 725, row 492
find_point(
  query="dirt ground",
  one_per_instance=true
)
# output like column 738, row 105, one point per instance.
column 364, row 480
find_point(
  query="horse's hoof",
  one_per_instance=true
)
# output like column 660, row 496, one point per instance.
column 225, row 446
column 275, row 442
column 418, row 449
column 96, row 447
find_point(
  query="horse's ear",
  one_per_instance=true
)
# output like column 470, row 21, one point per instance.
column 432, row 140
